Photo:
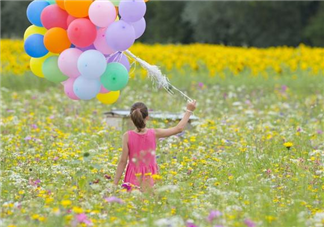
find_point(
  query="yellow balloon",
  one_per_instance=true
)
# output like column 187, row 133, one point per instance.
column 31, row 30
column 37, row 63
column 108, row 98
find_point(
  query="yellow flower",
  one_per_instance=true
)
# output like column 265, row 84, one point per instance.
column 66, row 203
column 77, row 210
column 156, row 177
column 288, row 144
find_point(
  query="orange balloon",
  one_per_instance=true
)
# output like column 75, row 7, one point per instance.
column 56, row 40
column 77, row 8
column 60, row 4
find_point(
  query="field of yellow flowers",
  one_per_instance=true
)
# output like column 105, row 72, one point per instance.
column 215, row 59
column 254, row 158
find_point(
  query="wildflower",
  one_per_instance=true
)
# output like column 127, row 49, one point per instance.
column 213, row 214
column 77, row 210
column 114, row 199
column 288, row 145
column 249, row 223
column 82, row 218
column 107, row 177
column 66, row 203
column 156, row 177
column 27, row 138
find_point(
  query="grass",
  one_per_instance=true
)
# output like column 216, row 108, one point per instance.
column 234, row 160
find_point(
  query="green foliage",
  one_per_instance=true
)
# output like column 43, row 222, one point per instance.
column 259, row 23
column 164, row 23
column 314, row 32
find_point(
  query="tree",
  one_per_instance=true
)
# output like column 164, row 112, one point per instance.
column 314, row 31
column 164, row 23
column 258, row 24
column 13, row 18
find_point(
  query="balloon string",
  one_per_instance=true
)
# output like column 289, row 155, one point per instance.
column 156, row 76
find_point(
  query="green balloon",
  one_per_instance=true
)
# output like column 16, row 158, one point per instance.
column 115, row 77
column 51, row 2
column 115, row 2
column 51, row 70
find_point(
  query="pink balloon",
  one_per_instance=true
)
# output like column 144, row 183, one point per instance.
column 103, row 90
column 102, row 13
column 68, row 62
column 101, row 44
column 53, row 16
column 82, row 32
column 68, row 88
column 70, row 19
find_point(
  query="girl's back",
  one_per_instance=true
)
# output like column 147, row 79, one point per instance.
column 142, row 161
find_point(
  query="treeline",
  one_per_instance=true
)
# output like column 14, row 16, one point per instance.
column 260, row 23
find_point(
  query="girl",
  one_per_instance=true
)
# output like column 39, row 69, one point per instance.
column 139, row 148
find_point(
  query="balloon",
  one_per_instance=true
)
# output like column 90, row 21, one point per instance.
column 68, row 62
column 70, row 19
column 92, row 64
column 53, row 16
column 120, row 58
column 132, row 10
column 60, row 4
column 34, row 46
column 102, row 13
column 51, row 2
column 86, row 89
column 34, row 11
column 108, row 98
column 77, row 8
column 82, row 32
column 101, row 44
column 34, row 30
column 91, row 47
column 37, row 63
column 115, row 2
column 68, row 88
column 139, row 27
column 56, row 40
column 51, row 70
column 103, row 90
column 115, row 77
column 120, row 35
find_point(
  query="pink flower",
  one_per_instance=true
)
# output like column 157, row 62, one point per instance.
column 249, row 223
column 83, row 218
column 56, row 158
column 213, row 214
column 114, row 199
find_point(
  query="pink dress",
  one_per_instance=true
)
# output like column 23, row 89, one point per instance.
column 142, row 162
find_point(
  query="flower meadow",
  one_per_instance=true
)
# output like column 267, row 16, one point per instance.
column 254, row 158
column 210, row 59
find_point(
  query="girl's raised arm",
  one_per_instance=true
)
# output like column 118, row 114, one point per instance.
column 161, row 133
column 123, row 160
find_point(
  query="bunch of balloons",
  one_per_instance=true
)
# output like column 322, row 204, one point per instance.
column 80, row 44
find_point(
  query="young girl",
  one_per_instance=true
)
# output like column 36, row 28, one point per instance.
column 139, row 147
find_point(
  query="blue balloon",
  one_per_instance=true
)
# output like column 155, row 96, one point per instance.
column 34, row 11
column 86, row 89
column 34, row 46
column 92, row 64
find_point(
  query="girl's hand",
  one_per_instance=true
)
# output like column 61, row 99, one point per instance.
column 191, row 105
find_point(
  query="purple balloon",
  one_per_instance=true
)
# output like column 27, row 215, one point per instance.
column 91, row 47
column 139, row 27
column 132, row 10
column 120, row 35
column 120, row 58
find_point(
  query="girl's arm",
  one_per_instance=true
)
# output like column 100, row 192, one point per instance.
column 161, row 133
column 123, row 160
